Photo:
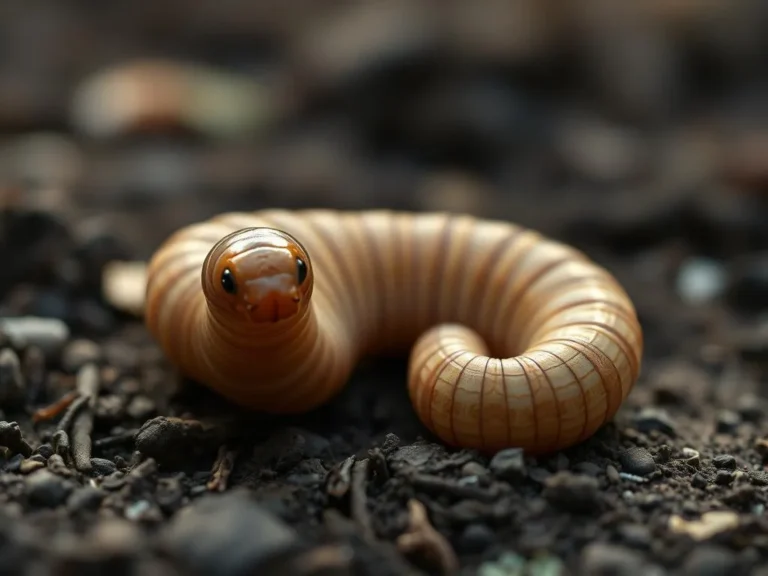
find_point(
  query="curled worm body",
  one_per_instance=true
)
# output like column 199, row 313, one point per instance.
column 515, row 339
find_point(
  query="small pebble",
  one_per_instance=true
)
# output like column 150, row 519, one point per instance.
column 110, row 546
column 612, row 473
column 588, row 468
column 723, row 477
column 476, row 538
column 14, row 464
column 740, row 495
column 724, row 461
column 538, row 474
column 473, row 469
column 751, row 408
column 224, row 551
column 102, row 467
column 728, row 421
column 690, row 508
column 85, row 498
column 698, row 481
column 655, row 419
column 169, row 495
column 114, row 481
column 602, row 559
column 711, row 560
column 12, row 383
column 30, row 465
column 635, row 535
column 637, row 461
column 11, row 438
column 649, row 501
column 701, row 280
column 45, row 450
column 664, row 453
column 48, row 334
column 759, row 477
column 57, row 466
column 509, row 464
column 44, row 488
column 573, row 492
column 168, row 439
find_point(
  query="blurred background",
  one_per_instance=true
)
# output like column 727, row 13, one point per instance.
column 636, row 130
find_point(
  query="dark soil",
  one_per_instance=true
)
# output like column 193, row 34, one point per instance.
column 636, row 132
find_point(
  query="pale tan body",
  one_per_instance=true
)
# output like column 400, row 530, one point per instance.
column 564, row 341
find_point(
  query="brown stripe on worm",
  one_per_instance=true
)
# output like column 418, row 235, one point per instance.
column 515, row 339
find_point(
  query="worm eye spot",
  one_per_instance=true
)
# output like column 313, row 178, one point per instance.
column 301, row 270
column 228, row 281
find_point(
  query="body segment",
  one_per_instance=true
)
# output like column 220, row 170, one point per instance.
column 514, row 339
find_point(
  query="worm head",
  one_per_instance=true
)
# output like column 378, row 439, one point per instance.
column 259, row 274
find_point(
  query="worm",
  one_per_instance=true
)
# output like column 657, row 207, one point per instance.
column 515, row 339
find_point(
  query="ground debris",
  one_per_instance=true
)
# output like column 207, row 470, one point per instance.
column 88, row 383
column 573, row 492
column 710, row 524
column 172, row 440
column 439, row 485
column 564, row 126
column 421, row 538
column 11, row 438
column 222, row 469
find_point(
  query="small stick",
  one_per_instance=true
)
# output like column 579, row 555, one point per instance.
column 359, row 499
column 71, row 411
column 222, row 469
column 52, row 410
column 88, row 381
column 431, row 483
column 421, row 536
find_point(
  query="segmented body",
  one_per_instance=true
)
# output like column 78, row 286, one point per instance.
column 515, row 339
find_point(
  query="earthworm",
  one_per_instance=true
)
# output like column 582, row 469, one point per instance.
column 516, row 339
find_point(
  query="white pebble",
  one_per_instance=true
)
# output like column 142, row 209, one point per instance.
column 700, row 280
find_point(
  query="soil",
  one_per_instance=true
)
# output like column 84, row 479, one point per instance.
column 636, row 133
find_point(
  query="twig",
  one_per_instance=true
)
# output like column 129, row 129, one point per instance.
column 423, row 538
column 359, row 499
column 52, row 410
column 379, row 464
column 438, row 484
column 384, row 552
column 109, row 441
column 339, row 478
column 222, row 468
column 78, row 403
column 61, row 446
column 88, row 382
